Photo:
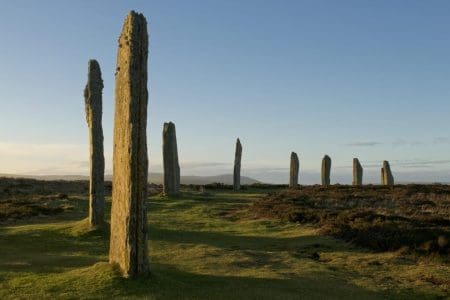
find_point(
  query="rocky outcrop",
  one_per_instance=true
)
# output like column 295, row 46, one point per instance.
column 386, row 175
column 170, row 160
column 237, row 166
column 128, row 242
column 357, row 173
column 294, row 168
column 326, row 169
column 93, row 107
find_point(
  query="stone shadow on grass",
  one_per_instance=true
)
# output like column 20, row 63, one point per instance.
column 50, row 250
column 168, row 282
column 248, row 243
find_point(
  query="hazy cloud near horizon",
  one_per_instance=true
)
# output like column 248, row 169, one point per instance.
column 69, row 159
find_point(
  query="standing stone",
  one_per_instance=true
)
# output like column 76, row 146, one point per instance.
column 382, row 176
column 93, row 106
column 293, row 174
column 388, row 178
column 128, row 243
column 170, row 160
column 357, row 172
column 326, row 169
column 237, row 166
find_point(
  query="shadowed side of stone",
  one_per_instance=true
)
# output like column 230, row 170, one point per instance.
column 170, row 160
column 326, row 169
column 387, row 177
column 128, row 243
column 237, row 166
column 294, row 169
column 357, row 173
column 93, row 107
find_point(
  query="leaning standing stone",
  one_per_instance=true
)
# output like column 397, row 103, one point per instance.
column 294, row 168
column 357, row 172
column 170, row 160
column 128, row 243
column 237, row 166
column 93, row 106
column 388, row 178
column 326, row 169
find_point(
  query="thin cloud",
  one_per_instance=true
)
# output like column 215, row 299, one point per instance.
column 441, row 140
column 406, row 164
column 403, row 142
column 363, row 144
column 422, row 163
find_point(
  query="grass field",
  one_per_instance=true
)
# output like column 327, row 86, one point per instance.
column 203, row 247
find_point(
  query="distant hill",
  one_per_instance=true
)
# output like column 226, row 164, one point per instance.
column 156, row 178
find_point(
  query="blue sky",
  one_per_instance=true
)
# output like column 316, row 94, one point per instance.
column 367, row 79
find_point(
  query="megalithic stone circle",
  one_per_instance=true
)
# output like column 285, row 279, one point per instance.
column 237, row 166
column 388, row 178
column 357, row 173
column 93, row 107
column 170, row 160
column 294, row 169
column 128, row 241
column 326, row 169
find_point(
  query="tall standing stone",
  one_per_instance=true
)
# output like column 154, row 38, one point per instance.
column 128, row 243
column 237, row 166
column 294, row 168
column 326, row 169
column 170, row 160
column 357, row 173
column 387, row 177
column 93, row 106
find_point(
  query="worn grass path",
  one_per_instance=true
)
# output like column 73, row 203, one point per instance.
column 200, row 248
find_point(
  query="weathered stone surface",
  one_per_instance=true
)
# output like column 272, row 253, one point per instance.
column 237, row 166
column 170, row 160
column 294, row 168
column 128, row 243
column 326, row 169
column 387, row 177
column 93, row 106
column 357, row 172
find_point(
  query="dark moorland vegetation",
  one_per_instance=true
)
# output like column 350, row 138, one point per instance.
column 22, row 198
column 411, row 217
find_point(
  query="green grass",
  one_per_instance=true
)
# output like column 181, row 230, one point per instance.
column 201, row 247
